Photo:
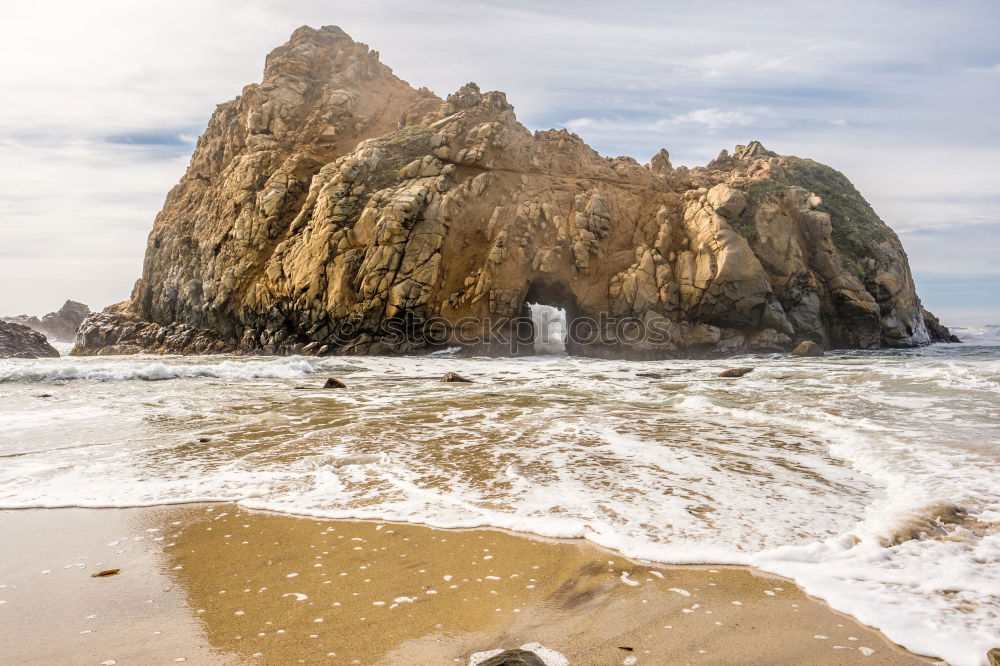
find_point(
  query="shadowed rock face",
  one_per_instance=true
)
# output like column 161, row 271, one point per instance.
column 17, row 341
column 333, row 208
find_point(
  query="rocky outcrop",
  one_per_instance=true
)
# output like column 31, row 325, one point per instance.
column 60, row 325
column 333, row 208
column 808, row 348
column 938, row 331
column 17, row 341
column 454, row 377
column 118, row 331
column 514, row 658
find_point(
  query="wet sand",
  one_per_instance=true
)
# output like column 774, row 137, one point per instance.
column 216, row 584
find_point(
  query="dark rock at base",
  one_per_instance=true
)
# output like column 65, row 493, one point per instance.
column 994, row 657
column 514, row 658
column 938, row 331
column 334, row 383
column 114, row 331
column 735, row 372
column 455, row 377
column 807, row 348
column 17, row 341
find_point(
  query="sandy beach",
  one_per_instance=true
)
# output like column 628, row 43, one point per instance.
column 216, row 584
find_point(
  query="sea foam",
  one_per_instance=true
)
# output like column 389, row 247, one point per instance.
column 869, row 478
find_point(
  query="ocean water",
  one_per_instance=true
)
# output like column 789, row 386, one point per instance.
column 870, row 478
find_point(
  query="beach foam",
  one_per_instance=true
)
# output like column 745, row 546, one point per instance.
column 110, row 369
column 868, row 478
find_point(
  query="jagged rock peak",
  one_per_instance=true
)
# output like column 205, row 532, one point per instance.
column 469, row 97
column 333, row 208
column 60, row 325
column 465, row 97
column 328, row 50
column 660, row 162
column 751, row 150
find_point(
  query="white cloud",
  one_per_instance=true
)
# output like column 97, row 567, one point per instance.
column 735, row 63
column 710, row 118
column 988, row 69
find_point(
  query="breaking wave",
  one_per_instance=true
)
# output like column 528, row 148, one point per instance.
column 110, row 369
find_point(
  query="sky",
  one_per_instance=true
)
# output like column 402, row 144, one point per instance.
column 103, row 102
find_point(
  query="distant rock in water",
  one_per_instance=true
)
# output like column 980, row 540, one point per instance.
column 334, row 209
column 807, row 348
column 455, row 378
column 939, row 332
column 60, row 325
column 17, row 341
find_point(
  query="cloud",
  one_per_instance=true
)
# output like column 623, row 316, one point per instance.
column 710, row 118
column 153, row 138
column 706, row 118
column 988, row 69
column 75, row 225
column 742, row 63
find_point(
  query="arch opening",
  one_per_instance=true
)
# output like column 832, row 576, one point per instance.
column 548, row 309
column 549, row 329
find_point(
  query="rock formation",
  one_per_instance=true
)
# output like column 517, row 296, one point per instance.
column 60, row 325
column 808, row 348
column 939, row 332
column 17, row 341
column 333, row 208
column 514, row 658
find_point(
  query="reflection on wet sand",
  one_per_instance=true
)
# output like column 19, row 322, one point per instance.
column 274, row 589
column 216, row 584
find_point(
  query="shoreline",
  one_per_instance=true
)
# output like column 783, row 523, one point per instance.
column 217, row 583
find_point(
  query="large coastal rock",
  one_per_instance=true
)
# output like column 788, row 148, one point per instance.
column 333, row 208
column 60, row 325
column 17, row 341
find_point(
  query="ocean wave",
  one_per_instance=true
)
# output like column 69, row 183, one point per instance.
column 141, row 369
column 988, row 334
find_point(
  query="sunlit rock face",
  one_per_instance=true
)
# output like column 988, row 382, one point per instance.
column 333, row 208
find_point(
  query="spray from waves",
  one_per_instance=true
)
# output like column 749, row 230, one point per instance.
column 988, row 334
column 64, row 348
column 105, row 369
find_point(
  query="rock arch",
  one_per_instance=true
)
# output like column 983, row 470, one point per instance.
column 335, row 197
